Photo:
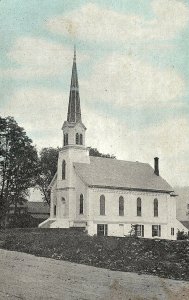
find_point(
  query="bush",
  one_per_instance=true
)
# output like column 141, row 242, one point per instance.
column 181, row 235
column 21, row 221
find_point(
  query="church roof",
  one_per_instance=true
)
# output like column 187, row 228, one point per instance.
column 113, row 173
column 185, row 223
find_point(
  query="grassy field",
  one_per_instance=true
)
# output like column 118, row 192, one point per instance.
column 164, row 258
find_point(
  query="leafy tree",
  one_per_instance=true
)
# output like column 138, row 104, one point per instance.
column 47, row 168
column 95, row 152
column 18, row 164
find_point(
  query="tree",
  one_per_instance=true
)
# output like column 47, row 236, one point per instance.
column 18, row 164
column 95, row 152
column 47, row 168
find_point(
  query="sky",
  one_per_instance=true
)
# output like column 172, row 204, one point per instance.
column 133, row 69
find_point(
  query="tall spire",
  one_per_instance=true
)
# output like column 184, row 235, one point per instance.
column 74, row 110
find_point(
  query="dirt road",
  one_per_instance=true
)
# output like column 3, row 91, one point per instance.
column 24, row 276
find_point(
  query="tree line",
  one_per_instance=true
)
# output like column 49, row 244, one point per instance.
column 21, row 167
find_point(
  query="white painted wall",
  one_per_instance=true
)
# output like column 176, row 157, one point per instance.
column 166, row 217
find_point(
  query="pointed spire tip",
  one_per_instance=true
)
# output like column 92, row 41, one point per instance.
column 74, row 52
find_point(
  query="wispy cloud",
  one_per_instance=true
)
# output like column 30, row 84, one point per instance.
column 125, row 81
column 37, row 58
column 95, row 23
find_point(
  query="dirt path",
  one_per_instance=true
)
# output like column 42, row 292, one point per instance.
column 24, row 276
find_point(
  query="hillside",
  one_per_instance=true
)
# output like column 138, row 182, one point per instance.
column 164, row 258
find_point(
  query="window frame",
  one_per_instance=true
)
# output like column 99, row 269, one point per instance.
column 81, row 139
column 103, row 230
column 65, row 139
column 121, row 206
column 157, row 229
column 102, row 205
column 63, row 170
column 81, row 204
column 140, row 230
column 77, row 138
column 139, row 207
column 156, row 207
column 54, row 210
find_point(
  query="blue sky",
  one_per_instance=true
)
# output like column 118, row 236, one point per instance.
column 133, row 66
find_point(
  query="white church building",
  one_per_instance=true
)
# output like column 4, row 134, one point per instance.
column 106, row 196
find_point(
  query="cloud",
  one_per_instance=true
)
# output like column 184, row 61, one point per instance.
column 125, row 81
column 95, row 23
column 37, row 57
column 166, row 140
column 42, row 112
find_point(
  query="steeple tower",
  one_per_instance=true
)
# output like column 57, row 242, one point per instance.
column 74, row 110
column 73, row 128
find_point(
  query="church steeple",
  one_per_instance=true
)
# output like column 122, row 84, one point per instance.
column 73, row 128
column 74, row 110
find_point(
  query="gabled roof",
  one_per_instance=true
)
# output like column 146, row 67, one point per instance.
column 113, row 173
column 38, row 208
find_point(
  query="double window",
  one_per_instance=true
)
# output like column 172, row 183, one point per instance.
column 102, row 205
column 156, row 230
column 140, row 230
column 102, row 229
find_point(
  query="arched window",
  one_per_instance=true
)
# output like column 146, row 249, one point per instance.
column 65, row 139
column 81, row 139
column 139, row 208
column 81, row 204
column 155, row 207
column 63, row 206
column 77, row 138
column 102, row 205
column 121, row 206
column 63, row 169
column 54, row 210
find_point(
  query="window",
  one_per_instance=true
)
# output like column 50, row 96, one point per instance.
column 102, row 229
column 77, row 138
column 63, row 169
column 155, row 207
column 63, row 207
column 156, row 230
column 139, row 230
column 172, row 231
column 65, row 139
column 81, row 139
column 54, row 210
column 102, row 205
column 81, row 204
column 121, row 206
column 139, row 210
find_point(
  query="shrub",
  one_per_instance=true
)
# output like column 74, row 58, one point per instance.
column 181, row 235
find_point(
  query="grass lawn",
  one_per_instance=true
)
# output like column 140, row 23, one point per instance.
column 164, row 258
